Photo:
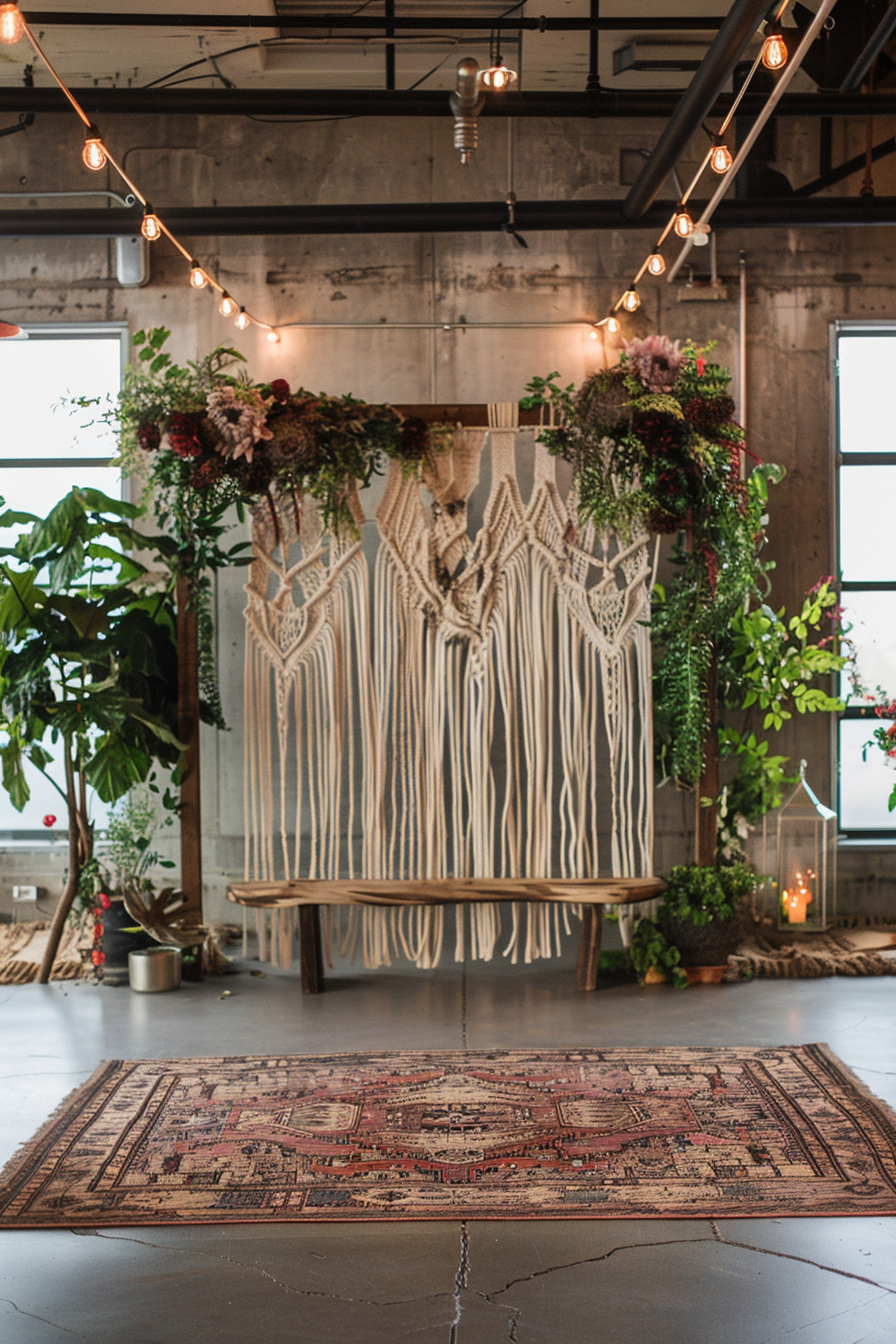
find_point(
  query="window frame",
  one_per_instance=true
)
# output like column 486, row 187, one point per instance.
column 872, row 837
column 25, row 838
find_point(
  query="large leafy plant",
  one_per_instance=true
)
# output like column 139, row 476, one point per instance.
column 88, row 665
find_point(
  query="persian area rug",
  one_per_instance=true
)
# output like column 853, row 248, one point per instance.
column 616, row 1133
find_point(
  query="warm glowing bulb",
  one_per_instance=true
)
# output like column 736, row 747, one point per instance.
column 774, row 51
column 684, row 225
column 655, row 264
column 592, row 335
column 720, row 159
column 94, row 153
column 227, row 306
column 613, row 325
column 498, row 78
column 243, row 319
column 631, row 300
column 274, row 337
column 198, row 277
column 12, row 25
column 151, row 227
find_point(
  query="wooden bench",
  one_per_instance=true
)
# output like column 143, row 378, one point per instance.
column 309, row 895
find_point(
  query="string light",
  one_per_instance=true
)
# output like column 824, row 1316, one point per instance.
column 12, row 25
column 592, row 335
column 151, row 228
column 720, row 159
column 498, row 78
column 274, row 336
column 655, row 263
column 631, row 300
column 243, row 319
column 684, row 225
column 94, row 151
column 227, row 306
column 198, row 277
column 613, row 325
column 774, row 48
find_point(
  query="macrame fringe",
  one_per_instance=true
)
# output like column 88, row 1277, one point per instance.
column 455, row 727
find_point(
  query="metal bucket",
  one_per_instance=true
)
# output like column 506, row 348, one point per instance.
column 155, row 969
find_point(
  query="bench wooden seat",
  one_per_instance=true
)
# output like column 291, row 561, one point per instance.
column 310, row 894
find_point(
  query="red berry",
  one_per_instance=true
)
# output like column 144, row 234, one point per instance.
column 49, row 819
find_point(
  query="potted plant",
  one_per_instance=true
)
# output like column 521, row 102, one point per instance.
column 698, row 924
column 88, row 668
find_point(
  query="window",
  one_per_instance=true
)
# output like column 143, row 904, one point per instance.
column 46, row 447
column 865, row 364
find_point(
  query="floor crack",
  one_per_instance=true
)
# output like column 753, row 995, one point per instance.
column 34, row 1317
column 803, row 1260
column 266, row 1274
column 460, row 1281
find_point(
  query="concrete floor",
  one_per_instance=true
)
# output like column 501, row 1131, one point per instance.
column 805, row 1280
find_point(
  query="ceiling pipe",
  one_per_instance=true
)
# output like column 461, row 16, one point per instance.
column 440, row 217
column 57, row 18
column 855, row 165
column 656, row 103
column 790, row 70
column 696, row 103
column 870, row 52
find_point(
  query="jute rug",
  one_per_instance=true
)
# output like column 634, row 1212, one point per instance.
column 616, row 1133
column 787, row 955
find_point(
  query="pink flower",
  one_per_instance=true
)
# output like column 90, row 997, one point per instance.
column 655, row 361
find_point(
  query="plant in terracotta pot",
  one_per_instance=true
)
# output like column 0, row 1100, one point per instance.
column 702, row 911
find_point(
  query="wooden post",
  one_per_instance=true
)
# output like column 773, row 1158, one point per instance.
column 708, row 783
column 188, row 732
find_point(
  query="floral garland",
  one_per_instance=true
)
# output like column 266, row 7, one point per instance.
column 206, row 440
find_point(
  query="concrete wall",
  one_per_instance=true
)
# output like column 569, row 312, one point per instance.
column 798, row 283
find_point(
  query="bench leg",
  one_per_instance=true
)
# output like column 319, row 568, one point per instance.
column 310, row 949
column 589, row 947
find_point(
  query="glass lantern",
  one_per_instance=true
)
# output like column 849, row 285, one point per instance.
column 807, row 861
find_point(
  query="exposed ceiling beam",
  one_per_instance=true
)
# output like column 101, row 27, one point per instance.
column 659, row 103
column 55, row 18
column 696, row 102
column 439, row 217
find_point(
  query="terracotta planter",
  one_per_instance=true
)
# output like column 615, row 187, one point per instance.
column 705, row 975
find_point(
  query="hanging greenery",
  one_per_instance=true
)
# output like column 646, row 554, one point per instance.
column 655, row 447
column 206, row 439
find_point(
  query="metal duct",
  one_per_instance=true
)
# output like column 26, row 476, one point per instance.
column 440, row 217
column 697, row 102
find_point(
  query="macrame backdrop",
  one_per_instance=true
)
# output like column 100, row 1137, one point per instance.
column 480, row 709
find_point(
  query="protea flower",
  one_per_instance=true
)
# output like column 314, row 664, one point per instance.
column 655, row 361
column 238, row 414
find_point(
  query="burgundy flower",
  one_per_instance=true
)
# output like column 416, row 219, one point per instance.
column 280, row 389
column 413, row 439
column 149, row 436
column 183, row 435
column 207, row 473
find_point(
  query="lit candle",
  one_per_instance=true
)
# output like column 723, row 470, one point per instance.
column 795, row 902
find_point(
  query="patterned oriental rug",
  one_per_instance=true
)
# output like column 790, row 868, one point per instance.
column 616, row 1133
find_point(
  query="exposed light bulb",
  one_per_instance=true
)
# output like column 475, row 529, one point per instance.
column 151, row 227
column 243, row 319
column 94, row 151
column 198, row 277
column 227, row 307
column 498, row 78
column 720, row 159
column 274, row 336
column 631, row 300
column 655, row 264
column 774, row 49
column 684, row 225
column 12, row 25
column 592, row 335
column 613, row 325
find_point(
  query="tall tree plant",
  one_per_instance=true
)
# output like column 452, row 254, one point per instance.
column 88, row 666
